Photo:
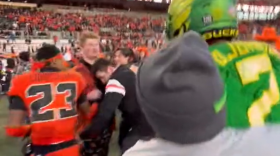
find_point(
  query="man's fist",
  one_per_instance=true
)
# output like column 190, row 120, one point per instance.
column 94, row 94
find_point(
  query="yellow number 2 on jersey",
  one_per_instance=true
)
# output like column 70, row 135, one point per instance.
column 249, row 70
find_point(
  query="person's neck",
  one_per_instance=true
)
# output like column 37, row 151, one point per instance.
column 115, row 68
column 89, row 61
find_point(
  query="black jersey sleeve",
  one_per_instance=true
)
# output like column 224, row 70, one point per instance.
column 114, row 93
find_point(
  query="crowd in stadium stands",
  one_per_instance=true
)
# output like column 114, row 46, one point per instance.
column 249, row 28
column 39, row 20
column 115, row 29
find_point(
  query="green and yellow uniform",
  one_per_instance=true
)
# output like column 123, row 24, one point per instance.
column 249, row 69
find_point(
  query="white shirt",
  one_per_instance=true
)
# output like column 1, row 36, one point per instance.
column 255, row 141
column 67, row 56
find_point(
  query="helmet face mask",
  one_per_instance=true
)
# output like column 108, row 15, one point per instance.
column 202, row 16
column 171, row 33
column 168, row 27
column 178, row 19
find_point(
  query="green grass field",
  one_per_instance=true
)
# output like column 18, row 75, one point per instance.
column 12, row 146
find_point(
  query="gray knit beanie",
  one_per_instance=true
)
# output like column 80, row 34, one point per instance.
column 179, row 89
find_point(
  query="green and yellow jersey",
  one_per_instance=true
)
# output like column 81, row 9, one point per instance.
column 251, row 72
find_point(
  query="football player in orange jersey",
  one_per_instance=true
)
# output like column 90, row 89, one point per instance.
column 50, row 96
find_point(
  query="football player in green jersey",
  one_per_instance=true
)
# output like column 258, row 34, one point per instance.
column 250, row 70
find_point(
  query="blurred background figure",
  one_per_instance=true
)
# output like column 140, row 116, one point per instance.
column 24, row 63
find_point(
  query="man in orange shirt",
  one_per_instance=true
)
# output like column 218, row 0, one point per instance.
column 90, row 49
column 50, row 96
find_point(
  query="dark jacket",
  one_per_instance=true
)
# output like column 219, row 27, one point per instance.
column 98, row 84
column 120, row 94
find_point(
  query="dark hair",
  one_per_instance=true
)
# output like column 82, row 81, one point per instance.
column 47, row 52
column 10, row 63
column 100, row 65
column 24, row 56
column 128, row 52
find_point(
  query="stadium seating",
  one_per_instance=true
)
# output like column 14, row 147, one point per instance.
column 112, row 25
column 28, row 20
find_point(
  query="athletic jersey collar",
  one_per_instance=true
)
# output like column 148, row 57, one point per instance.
column 50, row 69
column 87, row 65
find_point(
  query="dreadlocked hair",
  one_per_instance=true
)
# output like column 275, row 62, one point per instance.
column 10, row 63
column 47, row 52
column 24, row 56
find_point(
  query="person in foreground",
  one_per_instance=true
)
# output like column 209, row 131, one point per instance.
column 49, row 96
column 94, row 145
column 182, row 95
column 250, row 70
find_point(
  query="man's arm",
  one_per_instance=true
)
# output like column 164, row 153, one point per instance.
column 85, row 107
column 16, row 118
column 114, row 94
column 83, row 103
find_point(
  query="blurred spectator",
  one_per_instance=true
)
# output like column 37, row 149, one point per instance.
column 136, row 31
column 125, row 56
column 24, row 63
column 30, row 21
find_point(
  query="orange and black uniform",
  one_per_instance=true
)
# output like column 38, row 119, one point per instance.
column 50, row 97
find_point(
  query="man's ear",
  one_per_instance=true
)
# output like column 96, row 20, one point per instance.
column 52, row 63
column 56, row 62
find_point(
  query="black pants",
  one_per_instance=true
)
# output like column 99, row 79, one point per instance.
column 98, row 146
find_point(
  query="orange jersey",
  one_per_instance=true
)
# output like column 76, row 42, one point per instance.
column 50, row 99
column 83, row 119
